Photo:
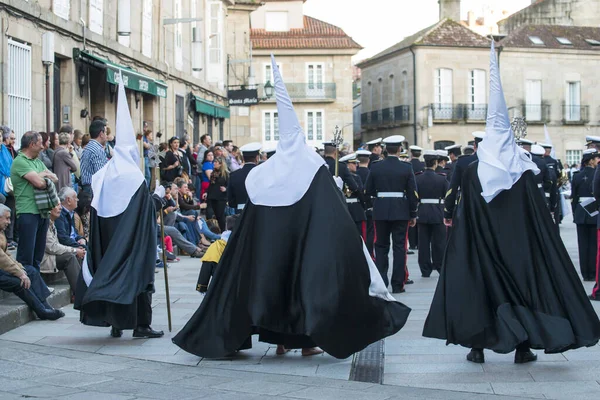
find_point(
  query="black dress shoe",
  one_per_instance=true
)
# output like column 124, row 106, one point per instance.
column 147, row 332
column 410, row 252
column 409, row 282
column 399, row 290
column 476, row 356
column 116, row 333
column 522, row 357
column 425, row 276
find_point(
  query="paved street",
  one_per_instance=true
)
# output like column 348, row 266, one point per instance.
column 67, row 360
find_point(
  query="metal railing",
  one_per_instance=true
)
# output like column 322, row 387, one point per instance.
column 389, row 116
column 536, row 113
column 576, row 114
column 476, row 112
column 447, row 112
column 306, row 91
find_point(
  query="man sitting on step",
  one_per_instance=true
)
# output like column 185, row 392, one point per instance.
column 23, row 281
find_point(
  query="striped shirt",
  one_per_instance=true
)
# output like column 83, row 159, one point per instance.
column 93, row 159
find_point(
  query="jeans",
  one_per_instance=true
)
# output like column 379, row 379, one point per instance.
column 10, row 283
column 147, row 173
column 179, row 240
column 33, row 230
column 208, row 234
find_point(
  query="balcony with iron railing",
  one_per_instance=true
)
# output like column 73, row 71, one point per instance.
column 576, row 115
column 388, row 117
column 454, row 113
column 536, row 113
column 305, row 92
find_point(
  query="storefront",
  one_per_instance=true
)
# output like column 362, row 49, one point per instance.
column 209, row 118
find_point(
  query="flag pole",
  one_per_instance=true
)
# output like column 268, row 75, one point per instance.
column 164, row 260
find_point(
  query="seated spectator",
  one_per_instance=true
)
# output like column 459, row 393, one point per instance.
column 65, row 226
column 59, row 257
column 170, row 219
column 24, row 281
column 82, row 215
column 213, row 256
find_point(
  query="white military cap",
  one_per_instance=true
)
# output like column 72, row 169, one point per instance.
column 478, row 135
column 349, row 158
column 545, row 145
column 454, row 146
column 415, row 148
column 375, row 141
column 363, row 153
column 537, row 150
column 525, row 141
column 251, row 148
column 395, row 140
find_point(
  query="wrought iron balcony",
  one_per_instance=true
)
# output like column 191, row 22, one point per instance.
column 476, row 112
column 576, row 115
column 536, row 113
column 306, row 91
column 386, row 117
column 447, row 112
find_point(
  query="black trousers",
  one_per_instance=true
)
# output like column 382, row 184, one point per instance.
column 413, row 237
column 370, row 235
column 218, row 207
column 144, row 309
column 32, row 230
column 10, row 283
column 432, row 239
column 69, row 263
column 206, row 272
column 587, row 241
column 398, row 231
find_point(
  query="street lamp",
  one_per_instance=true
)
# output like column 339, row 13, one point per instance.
column 268, row 90
column 48, row 60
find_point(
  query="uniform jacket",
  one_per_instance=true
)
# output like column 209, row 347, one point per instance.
column 53, row 249
column 363, row 173
column 431, row 185
column 357, row 210
column 343, row 172
column 452, row 196
column 582, row 186
column 418, row 165
column 393, row 175
column 236, row 192
column 373, row 158
column 7, row 263
column 544, row 179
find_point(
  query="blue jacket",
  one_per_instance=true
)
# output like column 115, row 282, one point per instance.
column 63, row 225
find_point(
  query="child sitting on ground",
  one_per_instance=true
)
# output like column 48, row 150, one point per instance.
column 213, row 254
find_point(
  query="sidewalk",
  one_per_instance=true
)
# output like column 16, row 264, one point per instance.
column 66, row 360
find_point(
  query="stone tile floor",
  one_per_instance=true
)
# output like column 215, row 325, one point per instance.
column 67, row 360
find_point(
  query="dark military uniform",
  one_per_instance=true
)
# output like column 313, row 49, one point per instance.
column 363, row 173
column 587, row 240
column 237, row 196
column 432, row 188
column 343, row 172
column 356, row 207
column 418, row 165
column 452, row 196
column 373, row 158
column 392, row 184
column 555, row 169
column 596, row 190
column 543, row 179
column 413, row 233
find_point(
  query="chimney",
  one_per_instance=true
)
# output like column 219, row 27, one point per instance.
column 450, row 9
column 471, row 19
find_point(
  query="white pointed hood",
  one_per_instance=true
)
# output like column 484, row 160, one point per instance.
column 115, row 184
column 549, row 141
column 501, row 161
column 283, row 179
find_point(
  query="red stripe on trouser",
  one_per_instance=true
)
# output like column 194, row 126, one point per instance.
column 169, row 244
column 406, row 255
column 363, row 230
column 374, row 239
column 597, row 285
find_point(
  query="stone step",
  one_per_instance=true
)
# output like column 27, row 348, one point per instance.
column 15, row 313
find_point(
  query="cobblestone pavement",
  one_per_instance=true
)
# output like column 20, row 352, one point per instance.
column 66, row 360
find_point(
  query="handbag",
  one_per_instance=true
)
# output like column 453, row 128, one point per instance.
column 8, row 186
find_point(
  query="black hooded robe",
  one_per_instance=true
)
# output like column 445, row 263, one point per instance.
column 507, row 278
column 296, row 275
column 121, row 259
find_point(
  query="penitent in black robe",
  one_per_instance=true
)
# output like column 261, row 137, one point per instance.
column 296, row 275
column 507, row 278
column 121, row 259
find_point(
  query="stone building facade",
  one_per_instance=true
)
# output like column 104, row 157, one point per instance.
column 175, row 74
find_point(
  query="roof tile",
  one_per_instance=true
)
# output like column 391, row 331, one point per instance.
column 548, row 34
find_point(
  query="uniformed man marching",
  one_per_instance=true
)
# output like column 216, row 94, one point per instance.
column 543, row 179
column 442, row 163
column 431, row 187
column 393, row 185
column 363, row 172
column 354, row 200
column 453, row 153
column 376, row 149
column 581, row 194
column 237, row 196
column 343, row 171
column 415, row 154
column 555, row 169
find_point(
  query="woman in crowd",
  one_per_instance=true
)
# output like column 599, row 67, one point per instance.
column 236, row 160
column 78, row 142
column 216, row 194
column 207, row 170
column 47, row 154
column 172, row 164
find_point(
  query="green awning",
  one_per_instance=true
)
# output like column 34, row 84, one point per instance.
column 209, row 108
column 131, row 79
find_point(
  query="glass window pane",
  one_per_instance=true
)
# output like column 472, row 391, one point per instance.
column 276, row 126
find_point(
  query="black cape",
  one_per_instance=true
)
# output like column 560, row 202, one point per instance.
column 121, row 259
column 298, row 276
column 507, row 278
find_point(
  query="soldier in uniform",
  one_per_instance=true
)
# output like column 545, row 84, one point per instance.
column 469, row 149
column 354, row 200
column 237, row 196
column 461, row 165
column 376, row 149
column 363, row 157
column 432, row 188
column 343, row 171
column 587, row 233
column 592, row 142
column 393, row 185
column 404, row 157
column 442, row 163
column 418, row 166
column 543, row 179
column 453, row 153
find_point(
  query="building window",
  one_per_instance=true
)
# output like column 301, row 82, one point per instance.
column 215, row 33
column 268, row 72
column 405, row 100
column 393, row 92
column 314, row 126
column 276, row 21
column 574, row 156
column 443, row 86
column 62, row 8
column 533, row 100
column 315, row 78
column 147, row 28
column 573, row 101
column 270, row 127
column 19, row 89
column 477, row 108
column 442, row 144
column 96, row 16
